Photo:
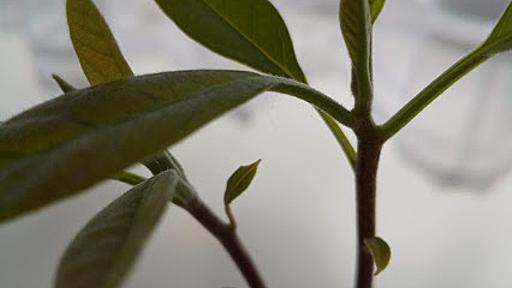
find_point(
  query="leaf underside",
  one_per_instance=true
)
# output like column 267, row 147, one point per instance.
column 67, row 144
column 103, row 252
column 96, row 48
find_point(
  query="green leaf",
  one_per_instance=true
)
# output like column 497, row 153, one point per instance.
column 381, row 252
column 355, row 23
column 249, row 31
column 103, row 252
column 67, row 144
column 97, row 50
column 63, row 85
column 123, row 176
column 113, row 68
column 356, row 27
column 375, row 8
column 240, row 181
column 499, row 40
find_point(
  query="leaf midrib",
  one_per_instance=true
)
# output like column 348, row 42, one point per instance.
column 123, row 122
column 237, row 183
column 261, row 50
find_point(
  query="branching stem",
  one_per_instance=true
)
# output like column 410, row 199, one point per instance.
column 228, row 237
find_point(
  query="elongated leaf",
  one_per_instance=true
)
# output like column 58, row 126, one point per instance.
column 240, row 181
column 106, row 248
column 115, row 69
column 123, row 176
column 381, row 252
column 499, row 40
column 375, row 8
column 97, row 50
column 355, row 23
column 67, row 144
column 249, row 31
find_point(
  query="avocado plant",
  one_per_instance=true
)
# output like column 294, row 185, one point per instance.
column 63, row 146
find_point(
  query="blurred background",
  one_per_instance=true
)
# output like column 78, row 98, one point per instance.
column 444, row 182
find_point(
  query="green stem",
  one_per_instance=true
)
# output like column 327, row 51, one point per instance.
column 129, row 178
column 431, row 92
column 329, row 110
column 319, row 100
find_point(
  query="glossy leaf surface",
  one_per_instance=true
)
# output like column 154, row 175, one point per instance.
column 249, row 31
column 103, row 252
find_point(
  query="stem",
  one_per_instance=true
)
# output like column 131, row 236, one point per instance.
column 369, row 148
column 432, row 91
column 128, row 178
column 228, row 237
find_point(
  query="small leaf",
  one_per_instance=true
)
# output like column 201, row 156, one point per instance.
column 63, row 85
column 249, row 31
column 355, row 23
column 240, row 181
column 98, row 52
column 103, row 252
column 381, row 252
column 375, row 8
column 67, row 144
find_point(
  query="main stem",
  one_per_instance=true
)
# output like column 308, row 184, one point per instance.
column 369, row 148
column 228, row 237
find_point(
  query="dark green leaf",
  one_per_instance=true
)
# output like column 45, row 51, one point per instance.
column 69, row 143
column 97, row 50
column 375, row 8
column 249, row 31
column 381, row 252
column 103, row 252
column 240, row 181
column 356, row 24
